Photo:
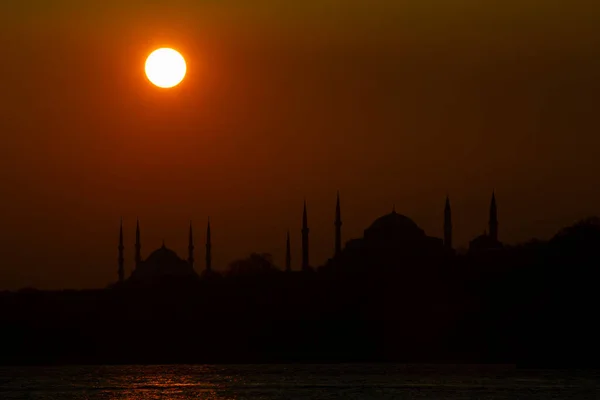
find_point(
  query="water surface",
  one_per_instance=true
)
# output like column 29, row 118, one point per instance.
column 267, row 382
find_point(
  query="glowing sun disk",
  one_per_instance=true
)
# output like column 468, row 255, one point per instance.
column 165, row 67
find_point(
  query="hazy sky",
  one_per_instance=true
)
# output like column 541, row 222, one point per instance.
column 388, row 101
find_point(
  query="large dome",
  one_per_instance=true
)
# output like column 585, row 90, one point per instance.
column 163, row 256
column 394, row 225
column 162, row 263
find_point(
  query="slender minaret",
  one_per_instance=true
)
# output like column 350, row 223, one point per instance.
column 447, row 225
column 288, row 254
column 121, row 271
column 208, row 248
column 338, row 227
column 305, row 231
column 138, row 245
column 493, row 223
column 191, row 247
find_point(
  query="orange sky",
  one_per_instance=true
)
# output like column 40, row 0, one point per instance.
column 387, row 101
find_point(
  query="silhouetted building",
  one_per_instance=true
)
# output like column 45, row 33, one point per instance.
column 305, row 230
column 338, row 227
column 160, row 264
column 388, row 240
column 396, row 229
column 488, row 241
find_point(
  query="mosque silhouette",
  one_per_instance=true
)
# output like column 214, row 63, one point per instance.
column 390, row 237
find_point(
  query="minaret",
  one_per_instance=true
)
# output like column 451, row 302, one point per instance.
column 447, row 225
column 121, row 271
column 191, row 247
column 338, row 227
column 208, row 249
column 305, row 231
column 493, row 223
column 288, row 254
column 138, row 245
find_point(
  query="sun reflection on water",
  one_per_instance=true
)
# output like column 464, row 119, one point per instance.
column 173, row 383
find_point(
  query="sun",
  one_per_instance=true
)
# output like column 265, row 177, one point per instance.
column 165, row 67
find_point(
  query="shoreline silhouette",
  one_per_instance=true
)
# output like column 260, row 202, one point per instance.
column 394, row 295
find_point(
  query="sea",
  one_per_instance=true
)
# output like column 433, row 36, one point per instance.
column 240, row 382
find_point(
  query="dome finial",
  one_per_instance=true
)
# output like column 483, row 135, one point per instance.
column 163, row 245
column 393, row 208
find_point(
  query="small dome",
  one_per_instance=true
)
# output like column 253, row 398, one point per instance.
column 395, row 224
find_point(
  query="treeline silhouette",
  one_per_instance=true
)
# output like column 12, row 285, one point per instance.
column 533, row 304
